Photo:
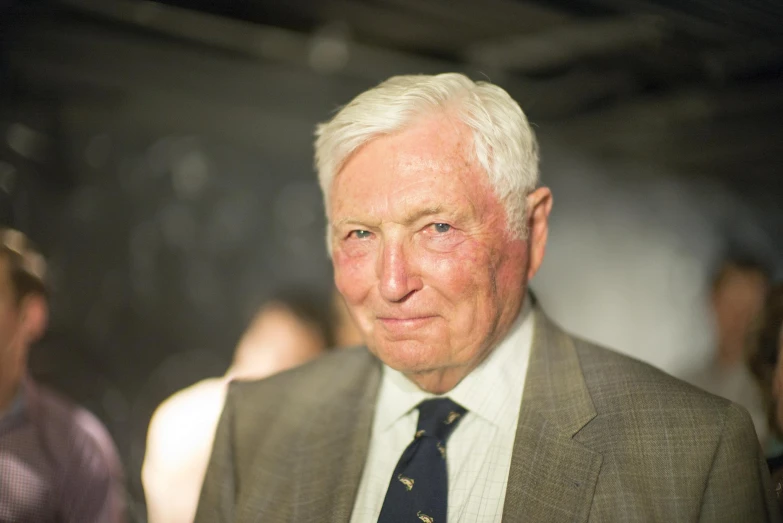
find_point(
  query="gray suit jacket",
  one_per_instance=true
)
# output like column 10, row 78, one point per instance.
column 601, row 437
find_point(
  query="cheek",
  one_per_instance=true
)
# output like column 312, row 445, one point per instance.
column 463, row 278
column 512, row 267
column 353, row 276
column 482, row 269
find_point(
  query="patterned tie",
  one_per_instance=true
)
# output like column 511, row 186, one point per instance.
column 418, row 490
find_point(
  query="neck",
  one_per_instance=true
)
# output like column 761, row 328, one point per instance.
column 729, row 355
column 438, row 382
column 257, row 372
column 441, row 381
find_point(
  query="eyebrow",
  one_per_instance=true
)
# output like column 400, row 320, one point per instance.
column 427, row 211
column 411, row 218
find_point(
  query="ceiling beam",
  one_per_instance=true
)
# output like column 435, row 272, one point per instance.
column 488, row 16
column 94, row 51
column 568, row 44
column 256, row 40
column 717, row 20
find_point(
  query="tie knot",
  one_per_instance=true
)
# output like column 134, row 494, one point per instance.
column 438, row 418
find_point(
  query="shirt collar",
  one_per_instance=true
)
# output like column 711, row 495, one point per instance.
column 492, row 391
column 16, row 409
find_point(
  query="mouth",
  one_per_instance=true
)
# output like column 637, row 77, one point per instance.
column 407, row 322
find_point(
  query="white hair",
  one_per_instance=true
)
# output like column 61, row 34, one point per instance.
column 505, row 146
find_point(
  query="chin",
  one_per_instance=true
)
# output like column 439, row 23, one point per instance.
column 409, row 356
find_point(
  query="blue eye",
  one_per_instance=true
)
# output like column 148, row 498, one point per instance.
column 442, row 227
column 360, row 234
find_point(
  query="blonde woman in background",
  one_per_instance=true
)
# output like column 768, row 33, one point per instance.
column 288, row 331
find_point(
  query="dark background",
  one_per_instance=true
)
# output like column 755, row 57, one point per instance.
column 160, row 153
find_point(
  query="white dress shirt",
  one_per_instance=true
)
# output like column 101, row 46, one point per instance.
column 479, row 449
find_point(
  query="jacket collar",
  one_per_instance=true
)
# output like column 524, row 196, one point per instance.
column 552, row 476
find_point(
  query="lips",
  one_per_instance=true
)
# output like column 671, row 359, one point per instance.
column 407, row 322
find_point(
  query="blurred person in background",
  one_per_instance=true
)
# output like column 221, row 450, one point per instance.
column 467, row 404
column 739, row 289
column 289, row 330
column 57, row 461
column 766, row 363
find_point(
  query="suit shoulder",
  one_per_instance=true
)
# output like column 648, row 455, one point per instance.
column 319, row 381
column 653, row 431
column 616, row 379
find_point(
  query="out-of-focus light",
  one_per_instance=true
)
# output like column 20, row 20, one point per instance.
column 7, row 177
column 26, row 141
column 189, row 174
column 329, row 50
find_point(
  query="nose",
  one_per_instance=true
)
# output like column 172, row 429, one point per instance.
column 398, row 278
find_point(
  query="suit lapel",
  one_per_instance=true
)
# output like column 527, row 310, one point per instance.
column 552, row 477
column 332, row 455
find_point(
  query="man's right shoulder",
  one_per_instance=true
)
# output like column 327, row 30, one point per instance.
column 319, row 383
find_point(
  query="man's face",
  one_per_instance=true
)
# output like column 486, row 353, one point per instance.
column 422, row 254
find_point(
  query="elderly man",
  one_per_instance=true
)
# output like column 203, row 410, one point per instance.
column 468, row 403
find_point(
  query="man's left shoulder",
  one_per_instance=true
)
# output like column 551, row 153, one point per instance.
column 627, row 387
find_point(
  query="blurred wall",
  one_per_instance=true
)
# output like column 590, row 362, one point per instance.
column 632, row 252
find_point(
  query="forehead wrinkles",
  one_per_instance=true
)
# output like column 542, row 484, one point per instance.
column 433, row 187
column 439, row 154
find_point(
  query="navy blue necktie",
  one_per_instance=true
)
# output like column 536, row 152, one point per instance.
column 418, row 490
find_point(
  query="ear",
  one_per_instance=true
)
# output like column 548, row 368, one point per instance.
column 34, row 317
column 539, row 205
